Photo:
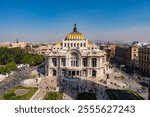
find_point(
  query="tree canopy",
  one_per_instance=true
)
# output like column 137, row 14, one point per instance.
column 19, row 56
column 8, row 68
column 9, row 57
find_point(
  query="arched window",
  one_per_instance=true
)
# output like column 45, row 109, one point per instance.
column 74, row 60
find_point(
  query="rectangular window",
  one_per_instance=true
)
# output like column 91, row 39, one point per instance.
column 63, row 71
column 94, row 62
column 54, row 72
column 63, row 61
column 84, row 60
column 69, row 73
column 54, row 61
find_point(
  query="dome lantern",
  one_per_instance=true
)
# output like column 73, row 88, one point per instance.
column 75, row 28
column 75, row 35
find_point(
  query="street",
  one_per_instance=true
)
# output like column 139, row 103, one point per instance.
column 15, row 79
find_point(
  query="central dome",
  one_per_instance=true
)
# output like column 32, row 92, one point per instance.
column 75, row 35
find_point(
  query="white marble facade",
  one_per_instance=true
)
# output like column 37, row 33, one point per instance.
column 75, row 56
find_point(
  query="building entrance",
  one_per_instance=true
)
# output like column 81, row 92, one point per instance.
column 73, row 73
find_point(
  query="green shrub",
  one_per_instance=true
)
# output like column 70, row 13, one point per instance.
column 9, row 96
column 53, row 96
column 86, row 96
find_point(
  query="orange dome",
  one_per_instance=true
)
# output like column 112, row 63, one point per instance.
column 75, row 35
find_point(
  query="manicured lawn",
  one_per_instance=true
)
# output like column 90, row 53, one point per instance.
column 123, row 95
column 86, row 96
column 11, row 95
column 53, row 96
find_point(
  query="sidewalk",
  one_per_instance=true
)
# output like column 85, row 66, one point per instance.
column 39, row 95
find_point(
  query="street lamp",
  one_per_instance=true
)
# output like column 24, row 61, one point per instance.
column 107, row 77
column 86, row 84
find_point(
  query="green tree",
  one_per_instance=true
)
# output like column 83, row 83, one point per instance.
column 19, row 56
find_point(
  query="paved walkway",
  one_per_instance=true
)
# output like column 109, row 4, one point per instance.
column 71, row 89
column 39, row 95
column 46, row 85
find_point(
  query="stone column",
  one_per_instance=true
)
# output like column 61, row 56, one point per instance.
column 80, row 73
column 89, row 62
column 67, row 62
column 49, row 61
column 89, row 72
column 50, row 72
column 102, row 62
column 60, row 61
column 81, row 62
column 98, row 62
column 60, row 70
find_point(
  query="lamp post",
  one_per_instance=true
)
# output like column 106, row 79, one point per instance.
column 134, row 67
column 107, row 77
column 86, row 84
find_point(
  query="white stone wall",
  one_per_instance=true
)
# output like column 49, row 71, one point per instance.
column 75, row 42
column 101, row 67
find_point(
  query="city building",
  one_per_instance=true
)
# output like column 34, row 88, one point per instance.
column 112, row 48
column 75, row 56
column 18, row 45
column 5, row 44
column 128, row 55
column 135, row 56
column 40, row 49
column 122, row 55
column 43, row 49
column 13, row 44
column 144, row 60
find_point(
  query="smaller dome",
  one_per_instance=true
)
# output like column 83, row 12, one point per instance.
column 90, row 44
column 75, row 35
column 58, row 44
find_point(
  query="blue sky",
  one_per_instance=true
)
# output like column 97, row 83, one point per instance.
column 51, row 20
